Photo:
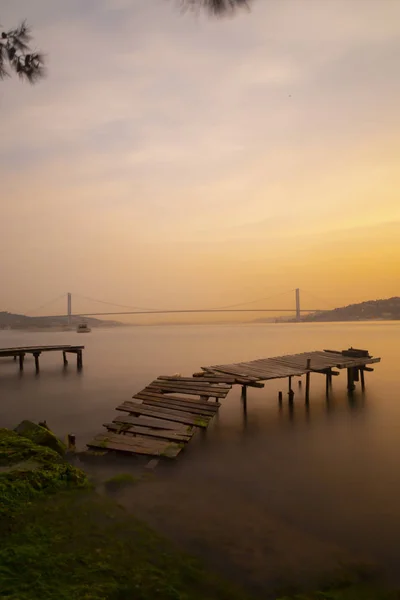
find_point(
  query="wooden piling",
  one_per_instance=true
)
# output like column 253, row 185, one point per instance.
column 280, row 397
column 290, row 391
column 299, row 383
column 362, row 379
column 36, row 355
column 71, row 441
column 350, row 380
column 21, row 361
column 307, row 396
column 79, row 362
column 65, row 360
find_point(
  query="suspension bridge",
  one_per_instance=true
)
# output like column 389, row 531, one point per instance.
column 243, row 307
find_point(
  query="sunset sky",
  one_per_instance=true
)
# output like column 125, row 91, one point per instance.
column 174, row 161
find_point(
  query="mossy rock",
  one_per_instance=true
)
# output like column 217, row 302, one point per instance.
column 40, row 436
column 28, row 470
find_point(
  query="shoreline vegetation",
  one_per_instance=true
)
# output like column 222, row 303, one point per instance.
column 63, row 539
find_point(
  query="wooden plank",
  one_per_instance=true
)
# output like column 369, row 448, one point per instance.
column 167, row 409
column 214, row 377
column 192, row 401
column 163, row 434
column 198, row 380
column 180, row 390
column 151, row 422
column 190, row 409
column 238, row 380
column 163, row 413
column 135, row 445
column 233, row 371
column 196, row 385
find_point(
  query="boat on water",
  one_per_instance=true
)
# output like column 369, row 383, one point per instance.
column 83, row 328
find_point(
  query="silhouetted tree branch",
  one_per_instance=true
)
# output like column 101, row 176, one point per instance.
column 16, row 55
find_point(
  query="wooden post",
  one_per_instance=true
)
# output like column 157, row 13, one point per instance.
column 36, row 355
column 244, row 400
column 350, row 380
column 308, row 380
column 71, row 441
column 300, row 383
column 65, row 360
column 15, row 357
column 280, row 397
column 21, row 361
column 330, row 377
column 327, row 385
column 290, row 392
column 362, row 379
column 355, row 374
column 79, row 359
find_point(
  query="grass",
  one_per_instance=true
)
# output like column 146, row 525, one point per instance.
column 61, row 540
column 76, row 544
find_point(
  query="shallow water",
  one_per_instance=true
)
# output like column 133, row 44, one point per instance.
column 277, row 495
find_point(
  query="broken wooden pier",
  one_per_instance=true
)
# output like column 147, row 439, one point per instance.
column 163, row 417
column 354, row 360
column 20, row 352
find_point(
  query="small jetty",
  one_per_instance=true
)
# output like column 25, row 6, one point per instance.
column 162, row 418
column 20, row 352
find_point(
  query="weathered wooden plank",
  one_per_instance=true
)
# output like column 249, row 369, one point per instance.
column 231, row 369
column 190, row 409
column 199, row 379
column 206, row 407
column 167, row 409
column 135, row 445
column 217, row 377
column 195, row 385
column 252, row 382
column 163, row 434
column 164, row 413
column 151, row 422
column 191, row 391
column 213, row 405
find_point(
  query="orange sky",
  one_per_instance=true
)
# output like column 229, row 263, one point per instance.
column 170, row 161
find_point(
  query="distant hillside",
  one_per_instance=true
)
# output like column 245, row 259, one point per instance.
column 14, row 321
column 388, row 309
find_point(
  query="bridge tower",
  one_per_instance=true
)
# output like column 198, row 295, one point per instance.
column 69, row 308
column 297, row 304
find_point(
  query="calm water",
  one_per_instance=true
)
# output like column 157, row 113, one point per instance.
column 274, row 496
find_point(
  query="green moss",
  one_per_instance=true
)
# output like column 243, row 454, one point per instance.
column 28, row 470
column 41, row 436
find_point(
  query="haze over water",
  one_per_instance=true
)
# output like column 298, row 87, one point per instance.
column 276, row 495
